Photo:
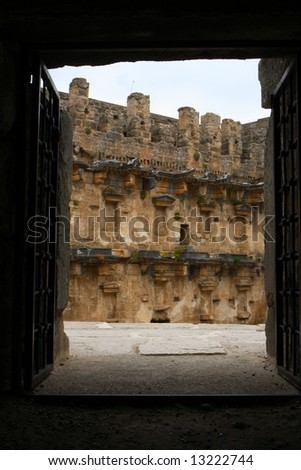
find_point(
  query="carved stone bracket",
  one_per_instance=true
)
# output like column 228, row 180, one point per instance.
column 181, row 187
column 243, row 315
column 110, row 287
column 130, row 181
column 243, row 209
column 163, row 201
column 180, row 270
column 99, row 177
column 243, row 283
column 111, row 197
column 163, row 273
column 208, row 284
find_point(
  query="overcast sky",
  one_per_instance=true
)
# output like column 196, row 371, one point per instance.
column 229, row 88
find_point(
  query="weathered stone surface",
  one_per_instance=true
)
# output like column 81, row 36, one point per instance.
column 61, row 342
column 63, row 211
column 163, row 212
column 180, row 347
column 270, row 72
column 104, row 131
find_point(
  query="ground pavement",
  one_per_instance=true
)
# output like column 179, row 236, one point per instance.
column 165, row 359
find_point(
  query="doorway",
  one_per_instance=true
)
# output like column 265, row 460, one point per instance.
column 165, row 275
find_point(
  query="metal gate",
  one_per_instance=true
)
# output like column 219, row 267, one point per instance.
column 287, row 193
column 43, row 148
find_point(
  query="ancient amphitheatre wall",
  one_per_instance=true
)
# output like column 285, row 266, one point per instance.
column 166, row 214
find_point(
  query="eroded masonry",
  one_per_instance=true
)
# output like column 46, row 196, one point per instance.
column 167, row 215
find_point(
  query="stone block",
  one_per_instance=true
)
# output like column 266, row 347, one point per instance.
column 130, row 181
column 99, row 177
column 181, row 188
column 110, row 287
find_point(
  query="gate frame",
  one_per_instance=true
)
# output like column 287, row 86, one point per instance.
column 243, row 47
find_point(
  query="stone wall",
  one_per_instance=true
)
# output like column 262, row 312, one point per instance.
column 61, row 342
column 158, row 289
column 104, row 131
column 270, row 73
column 165, row 214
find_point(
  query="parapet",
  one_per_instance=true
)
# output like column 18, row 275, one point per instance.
column 105, row 131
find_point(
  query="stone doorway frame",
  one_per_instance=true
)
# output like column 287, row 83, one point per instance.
column 219, row 51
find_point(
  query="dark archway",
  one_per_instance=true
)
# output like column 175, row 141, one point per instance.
column 62, row 35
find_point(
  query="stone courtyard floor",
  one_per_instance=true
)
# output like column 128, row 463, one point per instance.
column 157, row 387
column 165, row 359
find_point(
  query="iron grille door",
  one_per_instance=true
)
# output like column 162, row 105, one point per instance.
column 44, row 141
column 287, row 191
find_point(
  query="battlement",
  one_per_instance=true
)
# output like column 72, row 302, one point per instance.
column 105, row 131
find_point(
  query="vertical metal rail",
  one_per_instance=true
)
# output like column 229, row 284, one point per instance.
column 44, row 140
column 287, row 203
